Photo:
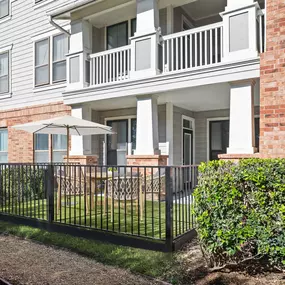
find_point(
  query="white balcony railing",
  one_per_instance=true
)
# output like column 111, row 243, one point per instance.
column 110, row 66
column 193, row 48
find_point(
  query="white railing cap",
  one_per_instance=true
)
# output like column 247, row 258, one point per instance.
column 111, row 51
column 193, row 31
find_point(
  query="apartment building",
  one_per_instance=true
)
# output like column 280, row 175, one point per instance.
column 179, row 81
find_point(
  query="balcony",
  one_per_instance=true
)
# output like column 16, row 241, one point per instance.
column 150, row 51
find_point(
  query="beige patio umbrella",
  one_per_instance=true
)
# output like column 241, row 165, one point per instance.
column 66, row 125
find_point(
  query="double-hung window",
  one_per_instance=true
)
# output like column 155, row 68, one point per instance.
column 59, row 144
column 4, row 72
column 46, row 150
column 3, row 145
column 41, row 145
column 50, row 60
column 60, row 49
column 4, row 8
column 42, row 62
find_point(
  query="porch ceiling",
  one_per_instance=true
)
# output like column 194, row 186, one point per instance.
column 202, row 98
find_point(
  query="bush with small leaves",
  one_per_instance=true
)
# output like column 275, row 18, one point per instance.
column 240, row 211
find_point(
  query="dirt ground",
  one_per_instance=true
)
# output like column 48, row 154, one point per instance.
column 195, row 272
column 26, row 262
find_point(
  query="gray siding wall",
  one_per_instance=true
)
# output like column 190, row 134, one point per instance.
column 163, row 21
column 27, row 21
column 98, row 38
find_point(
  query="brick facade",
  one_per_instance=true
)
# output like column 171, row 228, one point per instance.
column 20, row 143
column 272, row 79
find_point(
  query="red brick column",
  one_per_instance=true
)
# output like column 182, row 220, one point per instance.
column 83, row 159
column 147, row 160
column 272, row 79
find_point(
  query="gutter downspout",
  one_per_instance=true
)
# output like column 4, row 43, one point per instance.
column 57, row 26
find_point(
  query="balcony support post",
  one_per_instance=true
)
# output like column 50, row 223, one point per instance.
column 145, row 45
column 78, row 64
column 240, row 30
column 242, row 129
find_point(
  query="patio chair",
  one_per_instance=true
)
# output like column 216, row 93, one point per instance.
column 71, row 186
column 124, row 190
column 155, row 183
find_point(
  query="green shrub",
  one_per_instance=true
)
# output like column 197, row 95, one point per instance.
column 240, row 211
column 22, row 182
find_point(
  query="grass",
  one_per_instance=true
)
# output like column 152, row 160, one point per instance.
column 154, row 264
column 125, row 219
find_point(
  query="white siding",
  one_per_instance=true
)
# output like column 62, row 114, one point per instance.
column 27, row 21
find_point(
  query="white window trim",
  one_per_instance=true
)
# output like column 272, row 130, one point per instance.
column 9, row 16
column 129, row 118
column 42, row 3
column 51, row 85
column 9, row 50
column 187, row 22
column 208, row 130
column 183, row 117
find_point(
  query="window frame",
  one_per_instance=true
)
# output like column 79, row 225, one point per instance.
column 9, row 68
column 8, row 16
column 112, row 26
column 50, row 37
column 50, row 149
column 48, row 64
column 6, row 151
column 53, row 62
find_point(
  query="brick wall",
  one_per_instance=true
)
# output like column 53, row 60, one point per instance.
column 20, row 143
column 272, row 97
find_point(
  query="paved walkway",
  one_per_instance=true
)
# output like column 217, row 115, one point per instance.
column 26, row 262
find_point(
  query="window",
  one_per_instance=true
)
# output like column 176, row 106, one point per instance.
column 41, row 148
column 59, row 144
column 60, row 49
column 57, row 46
column 4, row 72
column 117, row 35
column 3, row 145
column 4, row 8
column 42, row 62
column 219, row 137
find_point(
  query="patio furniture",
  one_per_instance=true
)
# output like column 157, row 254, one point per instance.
column 125, row 189
column 70, row 185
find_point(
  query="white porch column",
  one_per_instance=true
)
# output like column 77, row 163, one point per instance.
column 242, row 137
column 240, row 30
column 78, row 65
column 169, row 130
column 81, row 145
column 147, row 126
column 145, row 44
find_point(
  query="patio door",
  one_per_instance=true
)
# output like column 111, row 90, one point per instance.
column 187, row 147
column 117, row 143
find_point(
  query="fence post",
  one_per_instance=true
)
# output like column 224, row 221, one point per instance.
column 50, row 193
column 168, row 209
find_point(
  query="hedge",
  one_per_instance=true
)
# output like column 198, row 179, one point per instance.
column 18, row 183
column 240, row 211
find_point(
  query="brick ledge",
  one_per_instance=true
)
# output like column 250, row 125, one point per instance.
column 238, row 156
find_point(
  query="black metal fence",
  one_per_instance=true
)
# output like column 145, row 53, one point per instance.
column 152, row 203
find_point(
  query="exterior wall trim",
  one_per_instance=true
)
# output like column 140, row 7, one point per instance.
column 224, row 72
